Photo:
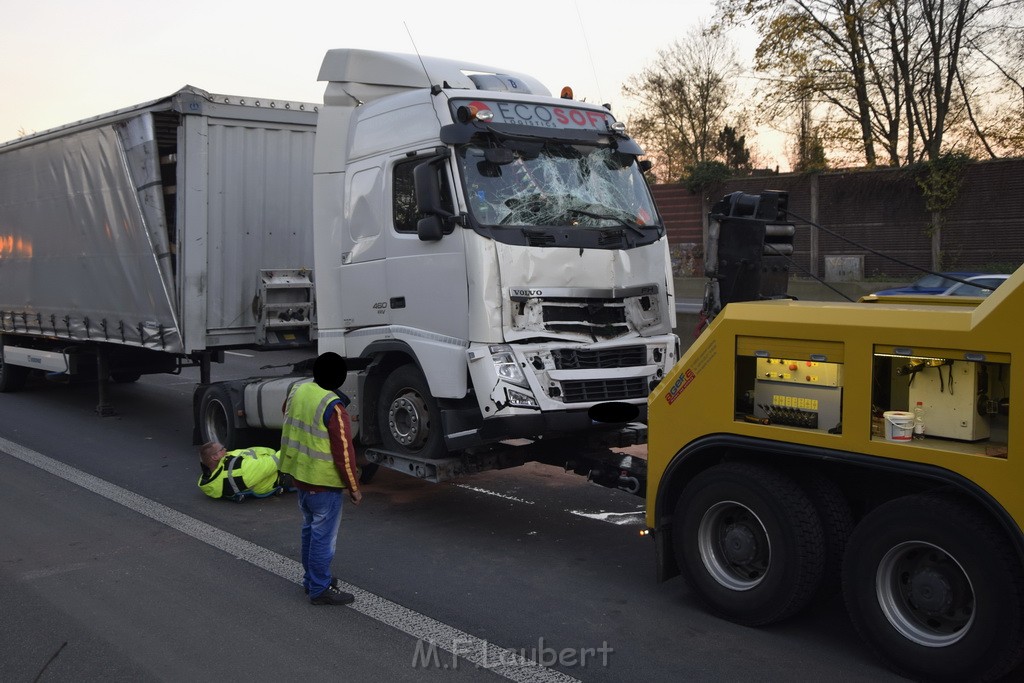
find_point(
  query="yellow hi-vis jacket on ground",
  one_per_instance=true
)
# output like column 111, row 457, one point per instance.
column 247, row 470
column 305, row 444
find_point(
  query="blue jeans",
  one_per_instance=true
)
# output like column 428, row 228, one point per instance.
column 321, row 515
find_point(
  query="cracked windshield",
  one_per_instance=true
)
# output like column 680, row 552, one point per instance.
column 554, row 184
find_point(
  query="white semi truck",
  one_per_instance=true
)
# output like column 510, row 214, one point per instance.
column 486, row 256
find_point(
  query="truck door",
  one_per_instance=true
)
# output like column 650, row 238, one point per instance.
column 363, row 297
column 426, row 281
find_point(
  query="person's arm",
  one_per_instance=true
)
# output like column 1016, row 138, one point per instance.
column 339, row 430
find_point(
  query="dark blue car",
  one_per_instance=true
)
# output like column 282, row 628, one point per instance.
column 929, row 284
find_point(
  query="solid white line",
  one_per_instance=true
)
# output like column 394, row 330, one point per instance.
column 237, row 353
column 507, row 663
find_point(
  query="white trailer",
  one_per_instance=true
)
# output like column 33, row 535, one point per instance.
column 487, row 257
column 155, row 237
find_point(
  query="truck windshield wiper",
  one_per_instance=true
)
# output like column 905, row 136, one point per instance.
column 609, row 217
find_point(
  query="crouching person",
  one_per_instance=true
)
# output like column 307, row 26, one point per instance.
column 240, row 473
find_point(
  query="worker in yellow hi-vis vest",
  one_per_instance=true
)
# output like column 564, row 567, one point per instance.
column 241, row 473
column 317, row 450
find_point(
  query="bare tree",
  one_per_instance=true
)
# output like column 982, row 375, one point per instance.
column 914, row 77
column 684, row 100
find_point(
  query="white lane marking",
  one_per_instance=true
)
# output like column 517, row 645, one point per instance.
column 618, row 518
column 238, row 353
column 429, row 632
column 494, row 493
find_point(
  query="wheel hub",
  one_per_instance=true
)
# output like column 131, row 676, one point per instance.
column 734, row 545
column 405, row 422
column 739, row 544
column 931, row 591
column 925, row 594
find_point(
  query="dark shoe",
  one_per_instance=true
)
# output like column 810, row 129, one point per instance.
column 368, row 470
column 335, row 584
column 333, row 596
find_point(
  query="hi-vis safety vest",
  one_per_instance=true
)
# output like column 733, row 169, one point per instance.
column 305, row 444
column 245, row 470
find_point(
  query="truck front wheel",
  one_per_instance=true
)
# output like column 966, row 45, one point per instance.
column 936, row 590
column 408, row 415
column 749, row 543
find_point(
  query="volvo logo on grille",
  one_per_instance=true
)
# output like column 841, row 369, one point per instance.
column 524, row 293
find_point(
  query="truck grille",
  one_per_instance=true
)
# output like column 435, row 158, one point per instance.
column 581, row 359
column 604, row 390
column 598, row 317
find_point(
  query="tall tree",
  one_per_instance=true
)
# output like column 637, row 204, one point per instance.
column 683, row 101
column 911, row 77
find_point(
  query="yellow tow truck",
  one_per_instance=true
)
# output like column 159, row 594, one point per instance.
column 802, row 448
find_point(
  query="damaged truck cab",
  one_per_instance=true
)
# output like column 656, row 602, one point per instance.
column 488, row 255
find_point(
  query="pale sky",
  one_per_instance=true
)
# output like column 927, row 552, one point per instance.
column 66, row 60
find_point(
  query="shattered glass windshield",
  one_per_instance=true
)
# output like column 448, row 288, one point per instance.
column 555, row 184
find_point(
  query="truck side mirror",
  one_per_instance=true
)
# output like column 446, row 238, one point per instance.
column 430, row 228
column 428, row 190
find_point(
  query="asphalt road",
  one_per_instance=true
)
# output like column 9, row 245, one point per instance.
column 114, row 566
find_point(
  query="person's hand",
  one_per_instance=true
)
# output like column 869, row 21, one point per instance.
column 356, row 496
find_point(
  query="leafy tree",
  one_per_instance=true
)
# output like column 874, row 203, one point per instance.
column 684, row 99
column 705, row 177
column 731, row 149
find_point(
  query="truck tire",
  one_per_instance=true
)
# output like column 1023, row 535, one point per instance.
column 216, row 419
column 409, row 418
column 936, row 590
column 836, row 526
column 12, row 377
column 749, row 543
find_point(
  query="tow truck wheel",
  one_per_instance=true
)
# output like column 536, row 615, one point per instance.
column 933, row 586
column 408, row 415
column 749, row 543
column 12, row 377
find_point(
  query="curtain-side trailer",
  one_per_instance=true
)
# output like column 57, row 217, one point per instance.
column 155, row 237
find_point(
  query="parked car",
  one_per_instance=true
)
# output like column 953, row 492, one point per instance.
column 929, row 284
column 979, row 285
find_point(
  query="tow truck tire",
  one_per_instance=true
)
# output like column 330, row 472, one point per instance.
column 12, row 377
column 408, row 415
column 934, row 587
column 216, row 420
column 836, row 525
column 749, row 543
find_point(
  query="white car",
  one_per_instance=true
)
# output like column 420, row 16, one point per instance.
column 978, row 285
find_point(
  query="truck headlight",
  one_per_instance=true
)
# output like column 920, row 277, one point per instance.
column 506, row 366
